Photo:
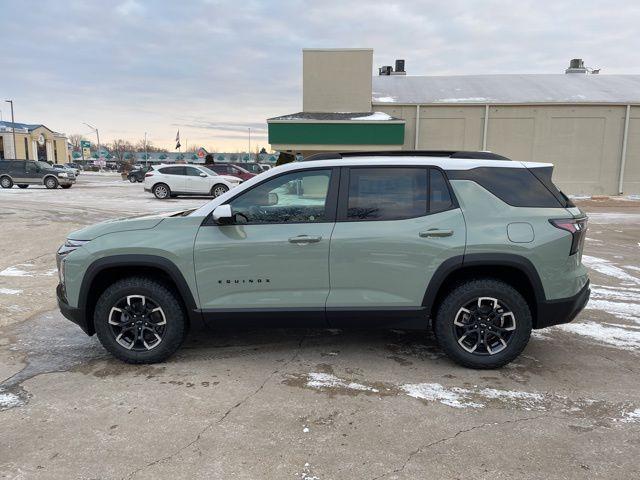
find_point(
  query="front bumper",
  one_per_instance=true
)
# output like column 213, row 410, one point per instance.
column 564, row 310
column 66, row 181
column 76, row 315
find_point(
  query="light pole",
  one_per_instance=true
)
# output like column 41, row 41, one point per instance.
column 97, row 136
column 13, row 132
column 146, row 155
column 249, row 143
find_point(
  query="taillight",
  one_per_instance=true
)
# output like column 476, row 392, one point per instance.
column 149, row 174
column 577, row 227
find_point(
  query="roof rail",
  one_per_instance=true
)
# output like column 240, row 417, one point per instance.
column 409, row 153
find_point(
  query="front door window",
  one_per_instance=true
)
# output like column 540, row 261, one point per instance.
column 298, row 197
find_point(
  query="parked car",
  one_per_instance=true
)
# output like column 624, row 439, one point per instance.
column 30, row 172
column 231, row 169
column 166, row 181
column 76, row 167
column 63, row 168
column 252, row 167
column 480, row 248
column 137, row 174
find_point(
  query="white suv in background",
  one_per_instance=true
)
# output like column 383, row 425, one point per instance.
column 166, row 181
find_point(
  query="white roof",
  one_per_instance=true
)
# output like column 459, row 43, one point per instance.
column 445, row 163
column 507, row 89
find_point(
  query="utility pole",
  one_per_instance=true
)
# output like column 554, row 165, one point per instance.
column 13, row 132
column 249, row 143
column 146, row 155
column 97, row 136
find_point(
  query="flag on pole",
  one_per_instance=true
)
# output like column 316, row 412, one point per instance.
column 178, row 139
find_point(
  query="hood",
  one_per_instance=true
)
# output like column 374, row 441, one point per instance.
column 140, row 222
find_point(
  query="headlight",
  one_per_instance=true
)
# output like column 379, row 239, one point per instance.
column 70, row 245
column 62, row 175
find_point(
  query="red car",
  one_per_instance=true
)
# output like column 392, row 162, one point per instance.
column 230, row 169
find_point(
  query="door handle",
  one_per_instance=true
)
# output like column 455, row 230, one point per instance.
column 436, row 233
column 304, row 239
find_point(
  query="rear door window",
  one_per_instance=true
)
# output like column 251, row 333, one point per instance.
column 439, row 195
column 386, row 193
column 173, row 170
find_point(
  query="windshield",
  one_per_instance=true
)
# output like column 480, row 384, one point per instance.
column 206, row 170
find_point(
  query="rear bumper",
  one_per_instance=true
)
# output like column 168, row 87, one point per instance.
column 564, row 310
column 76, row 315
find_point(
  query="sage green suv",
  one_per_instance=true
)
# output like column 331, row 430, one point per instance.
column 477, row 246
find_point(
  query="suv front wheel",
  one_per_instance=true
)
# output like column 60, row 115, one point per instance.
column 139, row 320
column 483, row 324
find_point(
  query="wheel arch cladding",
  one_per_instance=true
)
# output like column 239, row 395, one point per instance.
column 107, row 270
column 513, row 269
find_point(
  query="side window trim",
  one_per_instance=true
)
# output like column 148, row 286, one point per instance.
column 331, row 202
column 343, row 194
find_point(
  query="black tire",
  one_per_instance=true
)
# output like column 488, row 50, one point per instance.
column 23, row 185
column 6, row 182
column 162, row 191
column 219, row 189
column 132, row 179
column 51, row 183
column 65, row 186
column 456, row 330
column 130, row 290
column 140, row 179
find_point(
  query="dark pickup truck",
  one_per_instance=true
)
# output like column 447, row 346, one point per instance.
column 31, row 172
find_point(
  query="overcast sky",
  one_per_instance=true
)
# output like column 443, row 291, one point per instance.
column 216, row 68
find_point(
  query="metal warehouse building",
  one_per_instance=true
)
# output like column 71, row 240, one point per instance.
column 587, row 125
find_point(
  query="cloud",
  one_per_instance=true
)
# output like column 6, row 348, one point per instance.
column 130, row 7
column 128, row 66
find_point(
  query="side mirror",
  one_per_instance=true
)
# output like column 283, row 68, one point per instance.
column 203, row 175
column 273, row 199
column 222, row 214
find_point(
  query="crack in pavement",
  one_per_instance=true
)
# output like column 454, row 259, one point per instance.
column 423, row 448
column 221, row 419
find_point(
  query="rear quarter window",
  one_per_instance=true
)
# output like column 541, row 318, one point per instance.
column 517, row 187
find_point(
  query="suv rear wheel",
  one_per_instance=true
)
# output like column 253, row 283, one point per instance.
column 51, row 182
column 483, row 323
column 139, row 320
column 162, row 191
column 6, row 182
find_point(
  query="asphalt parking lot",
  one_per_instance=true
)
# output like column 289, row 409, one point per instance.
column 308, row 404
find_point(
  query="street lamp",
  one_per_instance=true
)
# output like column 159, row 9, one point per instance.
column 13, row 131
column 97, row 135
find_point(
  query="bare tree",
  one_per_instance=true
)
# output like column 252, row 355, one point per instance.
column 119, row 149
column 75, row 139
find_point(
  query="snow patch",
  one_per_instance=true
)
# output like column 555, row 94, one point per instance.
column 375, row 116
column 463, row 100
column 327, row 380
column 384, row 99
column 631, row 417
column 9, row 400
column 10, row 291
column 610, row 335
column 14, row 271
column 434, row 392
column 609, row 269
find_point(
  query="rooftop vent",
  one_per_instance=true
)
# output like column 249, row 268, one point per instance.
column 576, row 65
column 388, row 69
